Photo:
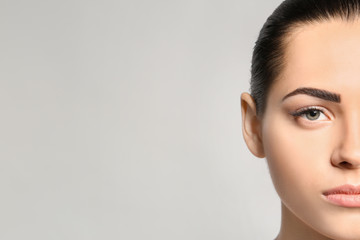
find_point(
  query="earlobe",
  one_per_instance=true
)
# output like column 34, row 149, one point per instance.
column 251, row 126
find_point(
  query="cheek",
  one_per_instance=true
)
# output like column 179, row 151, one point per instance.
column 298, row 158
column 300, row 166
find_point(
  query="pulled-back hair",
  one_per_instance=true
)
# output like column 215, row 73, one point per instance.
column 268, row 55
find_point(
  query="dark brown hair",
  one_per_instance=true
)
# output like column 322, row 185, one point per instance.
column 268, row 54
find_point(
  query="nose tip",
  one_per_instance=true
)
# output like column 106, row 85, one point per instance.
column 347, row 157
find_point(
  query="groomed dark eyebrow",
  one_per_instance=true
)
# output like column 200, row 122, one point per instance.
column 314, row 92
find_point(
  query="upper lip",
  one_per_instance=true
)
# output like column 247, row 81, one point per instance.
column 344, row 189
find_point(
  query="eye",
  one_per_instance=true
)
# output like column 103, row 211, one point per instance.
column 311, row 114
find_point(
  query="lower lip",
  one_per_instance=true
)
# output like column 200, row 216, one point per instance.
column 344, row 200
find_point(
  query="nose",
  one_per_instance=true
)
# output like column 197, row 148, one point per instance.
column 347, row 154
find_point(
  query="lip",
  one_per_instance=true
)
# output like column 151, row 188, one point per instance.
column 346, row 195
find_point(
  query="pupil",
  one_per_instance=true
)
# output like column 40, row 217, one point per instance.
column 313, row 114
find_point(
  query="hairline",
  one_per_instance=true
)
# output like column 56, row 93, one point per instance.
column 291, row 32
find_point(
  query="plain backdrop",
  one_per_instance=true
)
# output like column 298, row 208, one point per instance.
column 121, row 120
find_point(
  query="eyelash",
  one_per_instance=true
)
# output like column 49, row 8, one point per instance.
column 306, row 110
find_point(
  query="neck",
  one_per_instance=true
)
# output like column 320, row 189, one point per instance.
column 292, row 228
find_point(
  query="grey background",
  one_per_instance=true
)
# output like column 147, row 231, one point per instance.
column 121, row 120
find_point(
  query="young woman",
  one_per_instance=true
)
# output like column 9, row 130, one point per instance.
column 303, row 115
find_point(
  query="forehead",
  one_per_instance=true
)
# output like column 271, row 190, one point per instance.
column 324, row 54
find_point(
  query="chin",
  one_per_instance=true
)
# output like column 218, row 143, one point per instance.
column 343, row 225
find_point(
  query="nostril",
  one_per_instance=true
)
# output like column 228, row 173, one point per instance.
column 345, row 164
column 348, row 165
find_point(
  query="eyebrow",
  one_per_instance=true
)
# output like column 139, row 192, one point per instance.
column 314, row 92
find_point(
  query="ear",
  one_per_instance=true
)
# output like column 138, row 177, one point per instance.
column 251, row 126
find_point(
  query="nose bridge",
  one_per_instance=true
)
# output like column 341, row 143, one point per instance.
column 352, row 128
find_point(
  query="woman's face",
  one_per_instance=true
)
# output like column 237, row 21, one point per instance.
column 311, row 152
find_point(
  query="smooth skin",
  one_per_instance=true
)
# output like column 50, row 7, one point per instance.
column 313, row 152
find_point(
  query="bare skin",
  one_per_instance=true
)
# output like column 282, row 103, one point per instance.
column 308, row 154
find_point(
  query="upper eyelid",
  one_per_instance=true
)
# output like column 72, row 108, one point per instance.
column 309, row 108
column 301, row 111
